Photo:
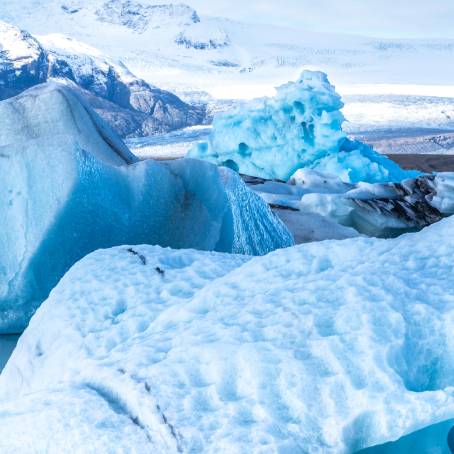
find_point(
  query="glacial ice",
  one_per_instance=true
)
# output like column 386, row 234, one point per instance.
column 300, row 127
column 70, row 186
column 317, row 206
column 329, row 347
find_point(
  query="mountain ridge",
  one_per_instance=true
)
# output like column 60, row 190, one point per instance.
column 129, row 104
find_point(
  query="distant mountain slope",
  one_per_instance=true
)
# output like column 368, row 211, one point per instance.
column 130, row 105
column 23, row 62
column 175, row 47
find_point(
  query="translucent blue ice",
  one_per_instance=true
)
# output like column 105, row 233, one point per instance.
column 300, row 127
column 70, row 186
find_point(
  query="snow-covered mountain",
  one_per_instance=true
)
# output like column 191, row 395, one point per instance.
column 129, row 104
column 23, row 62
column 173, row 46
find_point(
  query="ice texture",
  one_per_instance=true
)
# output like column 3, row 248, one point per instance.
column 70, row 186
column 300, row 127
column 328, row 347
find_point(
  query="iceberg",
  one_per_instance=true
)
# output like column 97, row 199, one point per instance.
column 70, row 186
column 301, row 127
column 326, row 347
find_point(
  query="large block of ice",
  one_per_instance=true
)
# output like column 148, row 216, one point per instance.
column 300, row 127
column 323, row 348
column 70, row 186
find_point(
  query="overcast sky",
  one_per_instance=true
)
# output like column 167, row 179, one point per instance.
column 390, row 18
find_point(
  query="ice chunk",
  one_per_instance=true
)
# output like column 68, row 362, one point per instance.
column 386, row 210
column 70, row 186
column 322, row 203
column 329, row 347
column 442, row 197
column 300, row 127
column 434, row 439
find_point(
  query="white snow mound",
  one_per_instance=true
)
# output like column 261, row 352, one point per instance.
column 322, row 348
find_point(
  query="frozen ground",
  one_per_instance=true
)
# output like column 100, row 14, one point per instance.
column 379, row 112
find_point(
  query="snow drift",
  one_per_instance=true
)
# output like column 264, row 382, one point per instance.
column 315, row 348
column 300, row 127
column 70, row 186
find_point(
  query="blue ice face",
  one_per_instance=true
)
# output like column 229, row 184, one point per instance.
column 435, row 439
column 70, row 186
column 451, row 438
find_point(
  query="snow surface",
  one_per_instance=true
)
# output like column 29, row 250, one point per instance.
column 172, row 145
column 300, row 127
column 92, row 192
column 18, row 45
column 378, row 112
column 240, row 60
column 145, row 34
column 83, row 59
column 329, row 347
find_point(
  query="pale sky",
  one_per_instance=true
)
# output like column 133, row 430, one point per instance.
column 383, row 18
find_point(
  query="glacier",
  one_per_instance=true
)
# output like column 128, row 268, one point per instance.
column 321, row 348
column 301, row 127
column 70, row 186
